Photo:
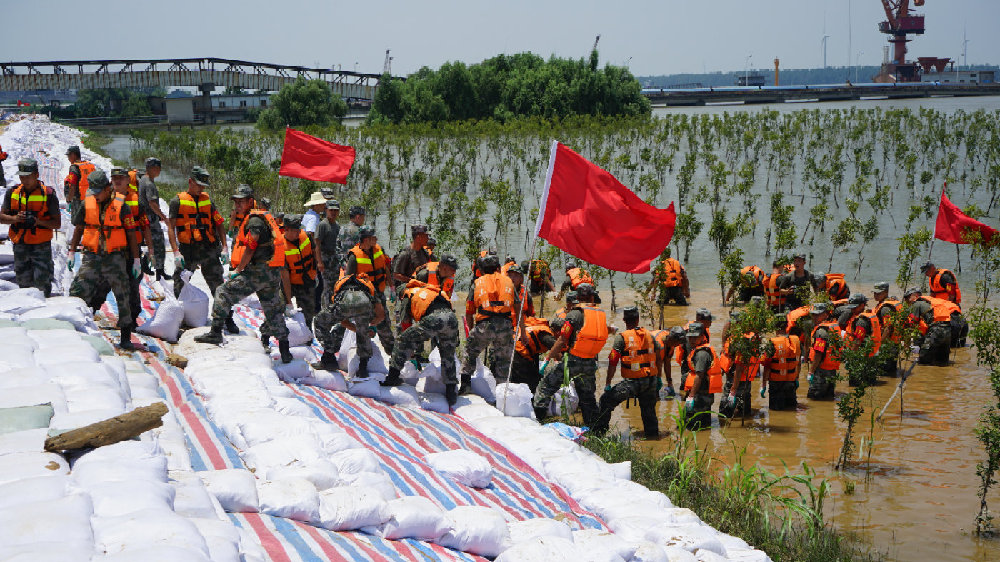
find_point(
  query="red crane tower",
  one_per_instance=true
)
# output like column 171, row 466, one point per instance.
column 899, row 23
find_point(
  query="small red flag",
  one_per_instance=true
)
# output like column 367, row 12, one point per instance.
column 588, row 213
column 952, row 224
column 311, row 158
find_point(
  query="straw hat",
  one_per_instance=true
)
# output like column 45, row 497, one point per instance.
column 316, row 199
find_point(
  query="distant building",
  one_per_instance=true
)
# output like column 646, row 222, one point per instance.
column 960, row 77
column 179, row 106
column 751, row 80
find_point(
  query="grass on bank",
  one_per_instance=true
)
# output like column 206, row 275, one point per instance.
column 781, row 515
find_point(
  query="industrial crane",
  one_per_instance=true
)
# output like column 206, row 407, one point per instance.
column 387, row 65
column 900, row 22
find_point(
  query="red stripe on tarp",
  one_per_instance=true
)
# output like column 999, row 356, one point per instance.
column 275, row 550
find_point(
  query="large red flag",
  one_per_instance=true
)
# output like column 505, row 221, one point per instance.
column 952, row 224
column 588, row 213
column 310, row 158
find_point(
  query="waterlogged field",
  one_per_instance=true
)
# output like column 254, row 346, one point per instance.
column 856, row 189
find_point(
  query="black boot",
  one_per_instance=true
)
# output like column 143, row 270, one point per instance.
column 393, row 379
column 286, row 354
column 327, row 362
column 160, row 274
column 213, row 336
column 362, row 372
column 451, row 393
column 466, row 387
column 541, row 413
column 126, row 340
column 231, row 326
column 265, row 340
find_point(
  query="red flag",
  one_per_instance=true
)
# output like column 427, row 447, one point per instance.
column 310, row 158
column 952, row 224
column 588, row 213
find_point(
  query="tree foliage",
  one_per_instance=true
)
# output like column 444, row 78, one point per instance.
column 112, row 102
column 303, row 102
column 508, row 86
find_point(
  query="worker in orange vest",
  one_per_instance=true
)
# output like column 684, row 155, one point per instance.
column 488, row 310
column 670, row 280
column 637, row 351
column 884, row 309
column 300, row 261
column 76, row 183
column 775, row 299
column 942, row 324
column 833, row 284
column 367, row 257
column 739, row 373
column 31, row 208
column 751, row 284
column 703, row 380
column 795, row 284
column 862, row 327
column 576, row 276
column 943, row 284
column 824, row 355
column 781, row 361
column 539, row 338
column 197, row 234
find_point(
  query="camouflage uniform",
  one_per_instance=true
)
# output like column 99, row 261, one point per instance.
column 644, row 390
column 700, row 416
column 583, row 375
column 348, row 239
column 497, row 333
column 101, row 270
column 203, row 254
column 149, row 196
column 257, row 278
column 33, row 265
column 935, row 344
column 305, row 299
column 328, row 251
column 351, row 303
column 440, row 323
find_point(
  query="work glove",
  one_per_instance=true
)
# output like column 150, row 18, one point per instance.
column 224, row 257
column 659, row 384
column 542, row 367
column 371, row 331
column 689, row 404
column 607, row 388
column 670, row 391
column 810, row 379
column 392, row 296
column 290, row 310
column 70, row 260
column 763, row 389
column 136, row 268
column 233, row 274
column 796, row 384
column 178, row 261
column 416, row 364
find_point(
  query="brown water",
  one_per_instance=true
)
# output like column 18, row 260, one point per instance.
column 920, row 501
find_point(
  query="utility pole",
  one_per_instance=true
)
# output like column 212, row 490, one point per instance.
column 850, row 36
column 825, row 37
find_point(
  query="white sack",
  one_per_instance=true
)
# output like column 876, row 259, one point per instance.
column 464, row 467
column 543, row 549
column 113, row 499
column 564, row 400
column 18, row 466
column 166, row 321
column 195, row 303
column 603, row 545
column 354, row 461
column 291, row 498
column 30, row 490
column 413, row 517
column 25, row 441
column 476, row 530
column 234, row 488
column 330, row 380
column 348, row 356
column 514, row 400
column 145, row 529
column 61, row 520
column 351, row 508
column 376, row 481
column 298, row 332
column 322, row 474
column 523, row 531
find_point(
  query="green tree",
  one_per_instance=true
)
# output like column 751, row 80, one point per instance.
column 303, row 102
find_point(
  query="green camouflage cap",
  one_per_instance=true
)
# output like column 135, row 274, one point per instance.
column 292, row 221
column 118, row 171
column 332, row 204
column 695, row 329
column 73, row 149
column 153, row 162
column 819, row 308
column 242, row 191
column 98, row 181
column 880, row 287
column 27, row 166
column 200, row 176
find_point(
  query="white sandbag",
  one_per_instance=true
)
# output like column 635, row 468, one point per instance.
column 348, row 356
column 21, row 377
column 49, row 552
column 708, row 556
column 166, row 321
column 483, row 382
column 65, row 421
column 33, row 395
column 293, row 407
column 543, row 549
column 286, row 452
column 622, row 470
column 430, row 385
column 95, row 398
column 434, row 402
column 65, row 519
column 67, row 312
column 30, row 490
column 263, row 429
column 146, row 529
column 330, row 380
column 464, row 467
column 20, row 301
column 113, row 499
column 6, row 253
column 291, row 498
column 294, row 371
column 298, row 332
column 13, row 356
column 413, row 517
column 528, row 529
column 475, row 411
column 120, row 470
column 651, row 552
column 367, row 388
column 376, row 481
column 234, row 488
column 514, row 400
column 191, row 498
column 130, row 451
column 4, row 284
column 195, row 303
column 603, row 546
column 748, row 555
column 322, row 474
column 250, row 547
column 350, row 508
column 221, row 537
column 564, row 401
column 689, row 537
column 73, row 352
column 476, row 530
column 403, row 395
column 156, row 553
column 25, row 441
column 354, row 461
column 333, row 440
column 18, row 466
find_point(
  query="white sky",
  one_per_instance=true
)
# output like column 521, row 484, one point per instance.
column 653, row 37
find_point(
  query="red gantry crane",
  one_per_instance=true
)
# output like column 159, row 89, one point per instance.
column 900, row 23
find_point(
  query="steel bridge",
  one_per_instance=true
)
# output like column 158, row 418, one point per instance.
column 204, row 73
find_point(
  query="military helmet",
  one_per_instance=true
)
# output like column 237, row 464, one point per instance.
column 366, row 231
column 585, row 290
column 856, row 299
column 630, row 313
column 489, row 261
column 703, row 314
column 449, row 260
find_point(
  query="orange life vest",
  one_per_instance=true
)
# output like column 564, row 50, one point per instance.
column 194, row 219
column 639, row 359
column 752, row 276
column 447, row 285
column 783, row 366
column 243, row 238
column 578, row 277
column 85, row 168
column 714, row 372
column 673, row 273
column 592, row 336
column 540, row 271
column 374, row 266
column 132, row 200
column 527, row 304
column 793, row 317
column 679, row 350
column 38, row 203
column 940, row 291
column 887, row 321
column 774, row 298
column 876, row 334
column 943, row 308
column 133, row 179
column 103, row 234
column 299, row 259
column 421, row 299
column 533, row 328
column 661, row 337
column 493, row 295
column 836, row 286
column 831, row 357
column 360, row 279
column 727, row 362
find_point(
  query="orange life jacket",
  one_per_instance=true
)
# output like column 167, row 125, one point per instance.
column 752, row 276
column 527, row 304
column 493, row 295
column 661, row 337
column 133, row 179
column 793, row 317
column 374, row 266
column 243, row 238
column 727, row 362
column 540, row 271
column 103, row 234
column 876, row 334
column 447, row 285
column 194, row 219
column 299, row 259
column 887, row 321
column 237, row 218
column 421, row 299
column 774, row 298
column 38, row 203
column 639, row 359
column 132, row 200
column 85, row 168
column 831, row 358
column 533, row 328
column 679, row 350
column 784, row 364
column 592, row 336
column 940, row 291
column 578, row 277
column 943, row 308
column 836, row 286
column 673, row 273
column 714, row 372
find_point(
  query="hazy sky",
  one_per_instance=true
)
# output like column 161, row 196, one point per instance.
column 653, row 37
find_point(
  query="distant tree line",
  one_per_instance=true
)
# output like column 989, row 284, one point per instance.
column 789, row 77
column 105, row 102
column 509, row 86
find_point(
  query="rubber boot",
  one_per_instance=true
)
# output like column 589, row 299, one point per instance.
column 126, row 340
column 466, row 387
column 160, row 274
column 451, row 393
column 392, row 380
column 283, row 349
column 541, row 413
column 231, row 326
column 213, row 336
column 327, row 362
column 265, row 340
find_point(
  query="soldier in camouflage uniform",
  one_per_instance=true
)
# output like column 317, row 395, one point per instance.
column 429, row 313
column 107, row 233
column 149, row 199
column 699, row 397
column 354, row 304
column 490, row 303
column 32, row 211
column 300, row 261
column 327, row 246
column 349, row 235
column 257, row 267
